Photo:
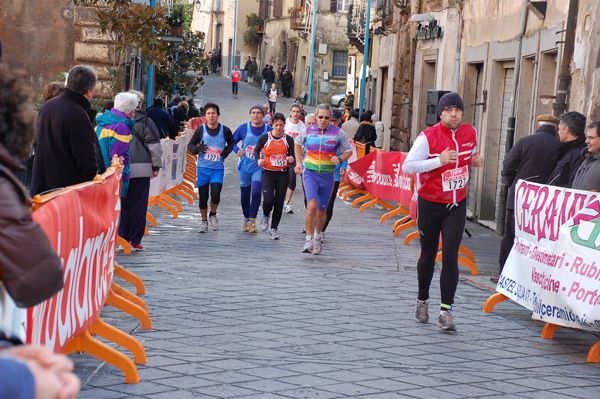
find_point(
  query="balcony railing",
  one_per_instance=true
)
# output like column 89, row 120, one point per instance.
column 298, row 18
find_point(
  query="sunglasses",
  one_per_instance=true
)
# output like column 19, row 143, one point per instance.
column 324, row 117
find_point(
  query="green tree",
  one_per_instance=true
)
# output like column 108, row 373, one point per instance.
column 186, row 61
column 251, row 35
column 130, row 26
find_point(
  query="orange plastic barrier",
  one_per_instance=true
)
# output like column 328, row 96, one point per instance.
column 68, row 321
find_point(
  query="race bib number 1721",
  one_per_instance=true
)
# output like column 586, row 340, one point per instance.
column 455, row 179
column 212, row 154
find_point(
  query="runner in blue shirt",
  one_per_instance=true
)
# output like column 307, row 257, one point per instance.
column 249, row 172
column 212, row 142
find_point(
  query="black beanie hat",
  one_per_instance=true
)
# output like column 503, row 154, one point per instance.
column 450, row 100
column 258, row 107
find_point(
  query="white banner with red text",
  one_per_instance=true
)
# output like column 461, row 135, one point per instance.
column 554, row 266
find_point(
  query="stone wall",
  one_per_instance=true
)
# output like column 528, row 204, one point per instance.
column 46, row 38
column 402, row 92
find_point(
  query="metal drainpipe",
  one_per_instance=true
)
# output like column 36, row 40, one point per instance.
column 459, row 5
column 510, row 130
column 312, row 55
column 235, row 11
column 365, row 59
column 564, row 77
column 149, row 95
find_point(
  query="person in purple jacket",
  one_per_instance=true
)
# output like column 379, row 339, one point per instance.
column 114, row 133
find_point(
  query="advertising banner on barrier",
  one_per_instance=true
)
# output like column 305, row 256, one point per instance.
column 81, row 225
column 383, row 176
column 553, row 268
column 159, row 183
column 353, row 178
column 173, row 165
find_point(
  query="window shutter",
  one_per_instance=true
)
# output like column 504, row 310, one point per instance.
column 333, row 5
column 277, row 7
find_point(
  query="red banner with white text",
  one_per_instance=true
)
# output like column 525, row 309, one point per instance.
column 383, row 176
column 81, row 225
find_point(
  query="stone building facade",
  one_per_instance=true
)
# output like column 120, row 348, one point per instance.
column 48, row 38
column 224, row 25
column 287, row 41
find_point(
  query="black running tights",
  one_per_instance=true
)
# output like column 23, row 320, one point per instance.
column 274, row 187
column 215, row 194
column 434, row 218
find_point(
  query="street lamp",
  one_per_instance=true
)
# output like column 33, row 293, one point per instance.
column 337, row 17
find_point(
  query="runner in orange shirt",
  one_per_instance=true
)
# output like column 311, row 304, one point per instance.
column 278, row 156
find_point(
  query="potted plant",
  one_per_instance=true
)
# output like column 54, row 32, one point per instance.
column 176, row 19
column 252, row 68
column 257, row 79
column 251, row 35
column 254, row 20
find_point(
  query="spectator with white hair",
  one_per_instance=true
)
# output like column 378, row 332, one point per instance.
column 114, row 133
column 145, row 162
column 378, row 130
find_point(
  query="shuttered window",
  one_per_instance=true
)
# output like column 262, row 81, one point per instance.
column 333, row 5
column 277, row 7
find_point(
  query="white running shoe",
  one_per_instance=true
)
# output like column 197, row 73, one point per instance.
column 203, row 227
column 264, row 224
column 308, row 246
column 422, row 311
column 446, row 321
column 318, row 246
column 214, row 223
column 274, row 235
column 287, row 208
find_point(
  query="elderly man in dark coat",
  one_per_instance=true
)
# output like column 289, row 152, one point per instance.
column 66, row 148
column 531, row 159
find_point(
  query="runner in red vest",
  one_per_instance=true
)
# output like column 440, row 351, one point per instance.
column 442, row 156
column 278, row 156
column 235, row 80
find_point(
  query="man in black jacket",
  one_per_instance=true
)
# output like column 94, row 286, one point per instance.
column 246, row 65
column 269, row 78
column 161, row 118
column 287, row 81
column 66, row 146
column 264, row 76
column 571, row 132
column 531, row 158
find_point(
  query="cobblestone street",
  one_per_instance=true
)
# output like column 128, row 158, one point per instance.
column 237, row 315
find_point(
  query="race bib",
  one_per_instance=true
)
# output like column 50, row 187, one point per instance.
column 250, row 151
column 455, row 179
column 212, row 154
column 279, row 160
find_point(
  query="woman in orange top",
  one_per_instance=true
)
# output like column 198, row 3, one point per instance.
column 278, row 155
